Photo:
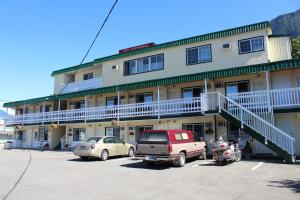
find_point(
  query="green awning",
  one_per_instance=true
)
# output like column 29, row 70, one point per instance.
column 236, row 71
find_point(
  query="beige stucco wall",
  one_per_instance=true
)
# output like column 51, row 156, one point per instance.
column 295, row 122
column 279, row 48
column 175, row 60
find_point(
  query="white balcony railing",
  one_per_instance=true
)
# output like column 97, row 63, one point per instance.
column 81, row 85
column 279, row 98
column 151, row 109
column 276, row 98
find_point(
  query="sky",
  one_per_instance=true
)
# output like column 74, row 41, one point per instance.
column 40, row 36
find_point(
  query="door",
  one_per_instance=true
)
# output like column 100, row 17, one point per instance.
column 237, row 133
column 140, row 129
column 120, row 147
column 198, row 129
column 110, row 146
column 112, row 131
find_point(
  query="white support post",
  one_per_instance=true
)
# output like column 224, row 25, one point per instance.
column 158, row 102
column 58, row 113
column 43, row 113
column 118, row 105
column 23, row 115
column 205, row 86
column 85, row 108
column 267, row 75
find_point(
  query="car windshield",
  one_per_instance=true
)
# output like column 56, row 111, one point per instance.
column 154, row 137
column 93, row 139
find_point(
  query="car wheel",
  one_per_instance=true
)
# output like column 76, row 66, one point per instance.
column 104, row 155
column 181, row 160
column 130, row 152
column 83, row 157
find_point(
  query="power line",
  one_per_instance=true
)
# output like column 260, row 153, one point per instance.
column 89, row 49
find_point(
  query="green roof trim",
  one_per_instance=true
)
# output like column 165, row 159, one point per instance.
column 279, row 35
column 235, row 71
column 199, row 38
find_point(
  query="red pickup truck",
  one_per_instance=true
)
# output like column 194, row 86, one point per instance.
column 169, row 145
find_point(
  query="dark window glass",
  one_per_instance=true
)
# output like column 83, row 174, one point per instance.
column 251, row 45
column 201, row 54
column 87, row 76
column 153, row 137
column 142, row 65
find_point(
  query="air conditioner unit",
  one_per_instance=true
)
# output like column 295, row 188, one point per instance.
column 115, row 67
column 227, row 46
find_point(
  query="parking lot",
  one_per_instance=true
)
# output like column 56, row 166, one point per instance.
column 60, row 175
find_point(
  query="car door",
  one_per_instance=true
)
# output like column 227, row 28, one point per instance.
column 119, row 146
column 109, row 145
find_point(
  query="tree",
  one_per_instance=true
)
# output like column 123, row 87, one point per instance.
column 296, row 48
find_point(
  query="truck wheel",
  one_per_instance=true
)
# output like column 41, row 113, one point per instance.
column 104, row 155
column 181, row 160
column 130, row 152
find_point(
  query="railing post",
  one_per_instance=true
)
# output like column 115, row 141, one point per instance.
column 23, row 115
column 241, row 116
column 58, row 113
column 85, row 108
column 219, row 101
column 158, row 102
column 118, row 111
column 43, row 113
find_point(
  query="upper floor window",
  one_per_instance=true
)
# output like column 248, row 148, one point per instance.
column 196, row 55
column 144, row 97
column 191, row 92
column 142, row 65
column 251, row 45
column 87, row 76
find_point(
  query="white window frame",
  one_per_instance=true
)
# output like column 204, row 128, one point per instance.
column 199, row 61
column 251, row 47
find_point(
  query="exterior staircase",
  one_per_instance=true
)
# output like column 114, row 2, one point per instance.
column 257, row 126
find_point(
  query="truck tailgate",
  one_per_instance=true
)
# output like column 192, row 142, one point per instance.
column 152, row 149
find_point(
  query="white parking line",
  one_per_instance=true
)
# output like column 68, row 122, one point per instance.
column 257, row 166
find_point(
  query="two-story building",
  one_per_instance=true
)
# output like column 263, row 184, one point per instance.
column 241, row 81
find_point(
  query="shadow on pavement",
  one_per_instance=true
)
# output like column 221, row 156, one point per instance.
column 93, row 159
column 294, row 185
column 141, row 165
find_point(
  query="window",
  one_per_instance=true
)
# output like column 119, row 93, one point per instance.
column 22, row 111
column 43, row 134
column 93, row 139
column 197, row 55
column 181, row 136
column 112, row 131
column 251, row 45
column 144, row 97
column 87, row 76
column 111, row 101
column 117, row 140
column 142, row 65
column 198, row 129
column 47, row 108
column 79, row 104
column 79, row 134
column 191, row 92
column 237, row 87
column 154, row 137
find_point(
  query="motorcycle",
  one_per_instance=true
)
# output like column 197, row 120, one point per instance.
column 225, row 152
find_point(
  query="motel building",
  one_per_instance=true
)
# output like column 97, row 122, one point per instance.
column 240, row 81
